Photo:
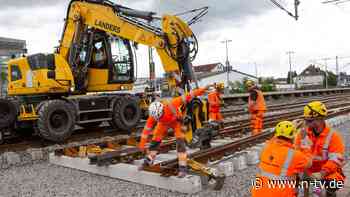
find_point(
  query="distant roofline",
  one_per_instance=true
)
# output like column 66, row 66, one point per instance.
column 4, row 39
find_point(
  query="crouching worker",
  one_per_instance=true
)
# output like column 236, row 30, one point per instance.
column 280, row 163
column 326, row 145
column 163, row 116
column 214, row 100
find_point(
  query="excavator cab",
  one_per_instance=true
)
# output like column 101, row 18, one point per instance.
column 109, row 62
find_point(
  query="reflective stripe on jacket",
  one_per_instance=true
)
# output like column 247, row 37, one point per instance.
column 170, row 115
column 328, row 152
column 279, row 161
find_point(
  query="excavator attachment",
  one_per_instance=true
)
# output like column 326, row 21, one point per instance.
column 216, row 179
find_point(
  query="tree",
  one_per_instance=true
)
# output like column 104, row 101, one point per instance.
column 331, row 79
column 293, row 74
column 238, row 86
column 268, row 84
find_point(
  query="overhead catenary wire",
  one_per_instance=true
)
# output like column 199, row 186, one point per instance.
column 296, row 4
column 335, row 1
column 341, row 2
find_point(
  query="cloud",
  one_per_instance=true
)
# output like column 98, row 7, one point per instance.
column 225, row 14
column 6, row 4
column 221, row 14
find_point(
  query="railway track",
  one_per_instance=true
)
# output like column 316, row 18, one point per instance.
column 239, row 129
column 214, row 154
column 217, row 153
column 238, row 126
column 297, row 103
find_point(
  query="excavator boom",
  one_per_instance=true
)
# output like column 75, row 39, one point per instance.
column 172, row 41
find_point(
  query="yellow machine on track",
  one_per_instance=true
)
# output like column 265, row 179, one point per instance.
column 49, row 91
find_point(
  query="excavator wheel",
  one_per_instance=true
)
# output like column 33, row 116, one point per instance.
column 56, row 120
column 8, row 113
column 1, row 136
column 126, row 114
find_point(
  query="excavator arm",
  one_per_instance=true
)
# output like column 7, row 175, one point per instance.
column 172, row 42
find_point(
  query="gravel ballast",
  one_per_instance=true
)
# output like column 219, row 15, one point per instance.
column 43, row 179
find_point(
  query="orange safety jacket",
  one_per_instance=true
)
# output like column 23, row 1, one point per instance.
column 214, row 102
column 259, row 104
column 328, row 153
column 280, row 163
column 170, row 115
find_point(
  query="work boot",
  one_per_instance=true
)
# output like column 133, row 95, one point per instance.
column 182, row 171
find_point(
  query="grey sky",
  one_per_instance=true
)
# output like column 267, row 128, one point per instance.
column 10, row 4
column 221, row 13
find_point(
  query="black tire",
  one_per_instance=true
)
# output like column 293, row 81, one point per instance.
column 1, row 136
column 90, row 125
column 126, row 114
column 8, row 113
column 56, row 120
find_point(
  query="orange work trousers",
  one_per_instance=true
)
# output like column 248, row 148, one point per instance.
column 161, row 130
column 215, row 116
column 256, row 121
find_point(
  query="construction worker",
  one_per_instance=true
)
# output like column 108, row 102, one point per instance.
column 326, row 145
column 163, row 116
column 280, row 163
column 214, row 100
column 256, row 107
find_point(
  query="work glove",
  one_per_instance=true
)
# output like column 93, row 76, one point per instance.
column 209, row 86
column 317, row 175
column 306, row 143
column 299, row 123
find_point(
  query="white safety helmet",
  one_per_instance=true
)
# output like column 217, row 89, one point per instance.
column 155, row 109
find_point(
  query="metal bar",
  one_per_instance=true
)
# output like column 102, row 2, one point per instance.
column 94, row 120
column 95, row 110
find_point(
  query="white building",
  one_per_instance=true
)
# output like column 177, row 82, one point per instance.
column 311, row 77
column 217, row 72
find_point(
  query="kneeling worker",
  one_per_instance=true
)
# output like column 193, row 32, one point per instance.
column 163, row 116
column 326, row 145
column 280, row 163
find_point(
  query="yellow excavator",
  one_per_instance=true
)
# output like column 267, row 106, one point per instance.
column 50, row 92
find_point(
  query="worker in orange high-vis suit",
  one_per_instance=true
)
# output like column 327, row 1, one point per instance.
column 280, row 163
column 327, row 146
column 163, row 116
column 256, row 107
column 214, row 100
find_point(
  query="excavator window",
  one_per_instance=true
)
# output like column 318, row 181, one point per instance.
column 111, row 53
column 15, row 73
column 122, row 61
column 99, row 57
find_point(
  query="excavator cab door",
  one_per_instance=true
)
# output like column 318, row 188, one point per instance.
column 122, row 63
column 111, row 62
